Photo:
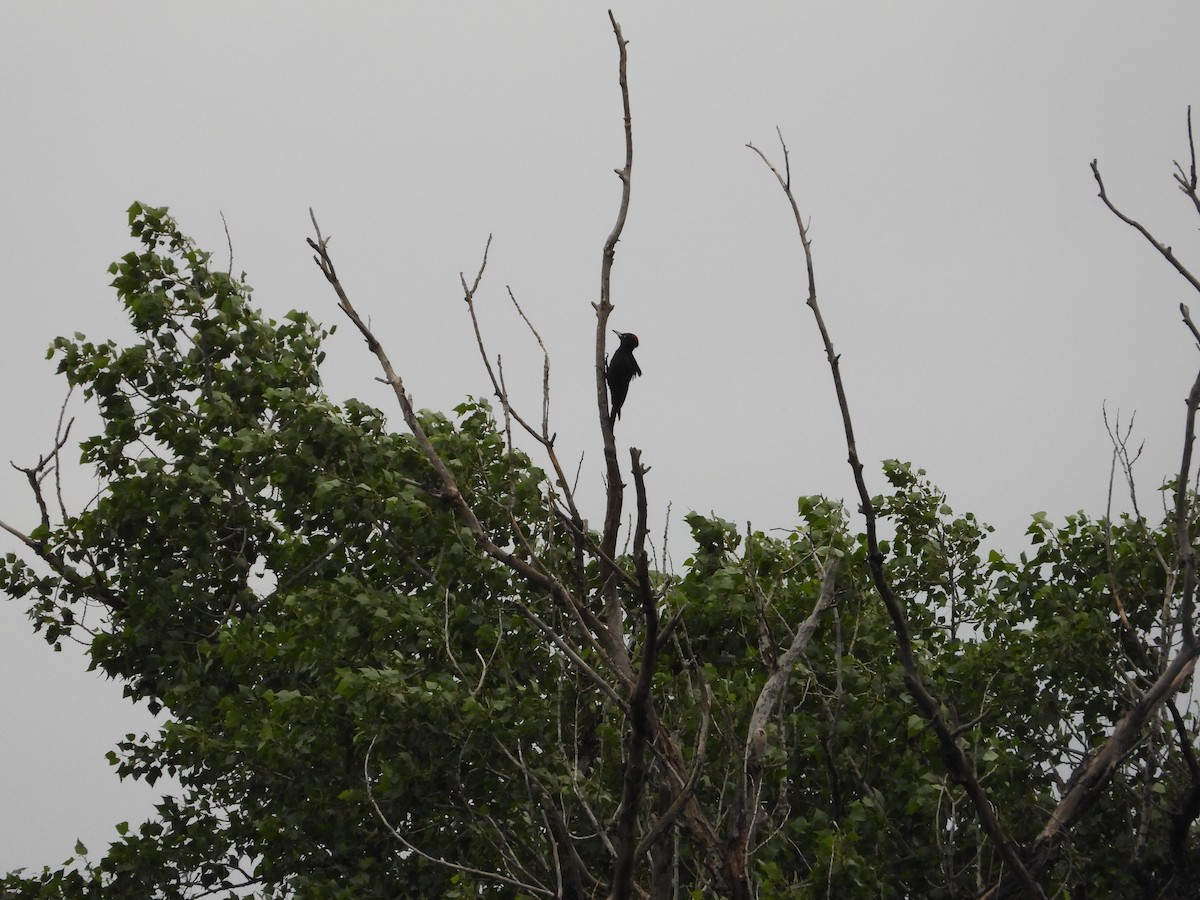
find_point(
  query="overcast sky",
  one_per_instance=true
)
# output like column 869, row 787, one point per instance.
column 984, row 302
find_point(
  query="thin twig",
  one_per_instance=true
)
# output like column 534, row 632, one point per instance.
column 37, row 473
column 60, row 440
column 1113, row 587
column 228, row 242
column 1187, row 320
column 545, row 368
column 542, row 436
column 1188, row 183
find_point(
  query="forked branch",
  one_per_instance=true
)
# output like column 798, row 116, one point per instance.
column 1188, row 182
column 542, row 435
column 451, row 492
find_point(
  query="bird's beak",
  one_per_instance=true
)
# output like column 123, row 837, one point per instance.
column 618, row 333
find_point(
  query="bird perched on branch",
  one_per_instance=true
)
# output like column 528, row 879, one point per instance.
column 622, row 369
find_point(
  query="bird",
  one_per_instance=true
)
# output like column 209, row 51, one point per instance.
column 622, row 369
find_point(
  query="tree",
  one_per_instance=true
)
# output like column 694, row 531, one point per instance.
column 400, row 663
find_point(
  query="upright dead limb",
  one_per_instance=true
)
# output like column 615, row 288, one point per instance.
column 642, row 718
column 957, row 762
column 615, row 498
column 639, row 738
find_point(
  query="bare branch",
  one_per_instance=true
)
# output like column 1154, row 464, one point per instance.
column 563, row 842
column 957, row 762
column 565, row 646
column 1188, row 183
column 60, row 440
column 1187, row 320
column 768, row 698
column 1185, row 553
column 542, row 435
column 1090, row 778
column 615, row 487
column 545, row 368
column 228, row 243
column 640, row 706
column 21, row 536
column 1166, row 252
column 1093, row 774
column 37, row 473
column 1118, row 445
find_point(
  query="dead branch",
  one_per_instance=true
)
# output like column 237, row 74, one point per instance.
column 48, row 462
column 1188, row 182
column 603, row 635
column 957, row 762
column 542, row 435
column 640, row 703
column 756, row 731
column 93, row 585
column 1187, row 320
column 1185, row 552
column 545, row 368
column 615, row 491
column 604, row 307
column 1120, row 455
column 61, row 434
column 1084, row 786
column 1166, row 251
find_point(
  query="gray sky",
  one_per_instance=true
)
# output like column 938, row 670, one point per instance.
column 984, row 302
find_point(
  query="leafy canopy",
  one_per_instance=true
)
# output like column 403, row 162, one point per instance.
column 351, row 694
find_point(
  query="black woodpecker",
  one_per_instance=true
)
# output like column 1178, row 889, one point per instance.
column 622, row 369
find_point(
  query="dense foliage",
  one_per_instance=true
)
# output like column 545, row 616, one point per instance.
column 353, row 694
